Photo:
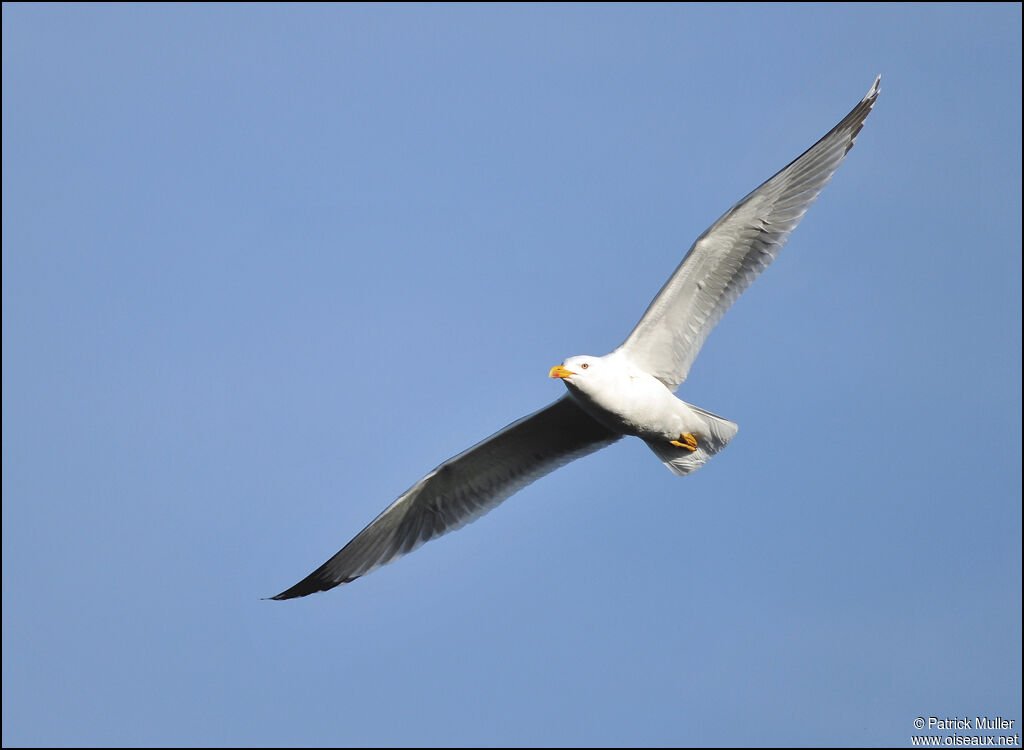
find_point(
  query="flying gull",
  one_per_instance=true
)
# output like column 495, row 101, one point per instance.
column 627, row 392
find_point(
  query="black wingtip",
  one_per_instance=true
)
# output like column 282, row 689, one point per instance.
column 873, row 91
column 312, row 584
column 303, row 588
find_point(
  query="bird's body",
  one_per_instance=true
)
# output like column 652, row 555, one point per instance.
column 627, row 392
column 624, row 398
column 628, row 400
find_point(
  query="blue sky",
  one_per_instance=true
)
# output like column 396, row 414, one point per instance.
column 265, row 266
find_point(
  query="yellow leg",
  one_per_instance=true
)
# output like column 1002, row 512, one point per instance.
column 689, row 441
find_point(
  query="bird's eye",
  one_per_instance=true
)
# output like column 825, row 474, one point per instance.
column 584, row 366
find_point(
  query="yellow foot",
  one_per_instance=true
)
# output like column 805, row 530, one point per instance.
column 689, row 441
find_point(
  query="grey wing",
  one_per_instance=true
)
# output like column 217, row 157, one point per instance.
column 462, row 489
column 732, row 253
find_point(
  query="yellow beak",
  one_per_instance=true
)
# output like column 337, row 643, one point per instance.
column 560, row 372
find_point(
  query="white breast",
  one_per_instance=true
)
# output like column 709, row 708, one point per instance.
column 628, row 400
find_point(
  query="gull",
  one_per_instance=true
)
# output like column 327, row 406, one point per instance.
column 627, row 392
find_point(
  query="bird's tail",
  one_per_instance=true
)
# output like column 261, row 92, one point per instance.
column 715, row 436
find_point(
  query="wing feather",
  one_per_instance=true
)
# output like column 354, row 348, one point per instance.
column 462, row 489
column 727, row 258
